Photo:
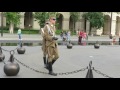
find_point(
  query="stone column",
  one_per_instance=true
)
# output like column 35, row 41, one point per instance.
column 4, row 21
column 113, row 24
column 21, row 22
column 77, row 26
column 65, row 25
column 118, row 27
column 36, row 25
column 87, row 27
column 81, row 25
column 113, row 27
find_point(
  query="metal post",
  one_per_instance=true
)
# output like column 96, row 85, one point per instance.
column 1, row 24
column 90, row 73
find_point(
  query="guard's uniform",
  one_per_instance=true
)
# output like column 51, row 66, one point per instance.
column 51, row 46
column 43, row 44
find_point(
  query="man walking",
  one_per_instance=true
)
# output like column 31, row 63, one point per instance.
column 51, row 44
column 44, row 46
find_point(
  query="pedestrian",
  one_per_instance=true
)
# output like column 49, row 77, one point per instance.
column 19, row 34
column 51, row 44
column 80, row 37
column 64, row 36
column 68, row 35
column 61, row 35
column 84, row 35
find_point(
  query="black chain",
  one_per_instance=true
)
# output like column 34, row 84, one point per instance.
column 76, row 71
column 15, row 49
column 3, row 61
column 30, row 67
column 10, row 50
column 5, row 50
column 67, row 73
column 97, row 71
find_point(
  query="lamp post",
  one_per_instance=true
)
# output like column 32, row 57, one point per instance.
column 1, row 24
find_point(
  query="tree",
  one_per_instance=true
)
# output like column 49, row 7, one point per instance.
column 75, row 17
column 41, row 17
column 96, row 19
column 13, row 18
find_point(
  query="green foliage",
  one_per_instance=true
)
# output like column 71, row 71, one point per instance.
column 75, row 16
column 13, row 17
column 24, row 31
column 96, row 19
column 41, row 17
column 58, row 32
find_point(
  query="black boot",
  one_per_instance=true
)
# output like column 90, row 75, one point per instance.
column 51, row 70
column 44, row 59
column 53, row 61
column 47, row 65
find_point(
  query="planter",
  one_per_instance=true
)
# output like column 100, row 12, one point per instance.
column 21, row 50
column 11, row 68
column 97, row 46
column 69, row 45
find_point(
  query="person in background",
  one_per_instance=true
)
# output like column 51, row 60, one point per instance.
column 19, row 34
column 61, row 35
column 68, row 35
column 84, row 38
column 80, row 37
column 84, row 35
column 64, row 36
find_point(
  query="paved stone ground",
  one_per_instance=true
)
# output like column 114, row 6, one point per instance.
column 38, row 37
column 13, row 38
column 106, row 59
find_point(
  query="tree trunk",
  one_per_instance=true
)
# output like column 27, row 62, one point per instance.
column 11, row 28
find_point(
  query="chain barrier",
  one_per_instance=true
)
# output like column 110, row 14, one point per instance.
column 5, row 50
column 3, row 61
column 10, row 50
column 29, row 67
column 97, row 71
column 73, row 72
column 67, row 73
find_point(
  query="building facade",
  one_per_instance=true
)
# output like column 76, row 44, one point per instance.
column 111, row 24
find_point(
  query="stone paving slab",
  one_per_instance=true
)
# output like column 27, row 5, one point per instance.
column 106, row 59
